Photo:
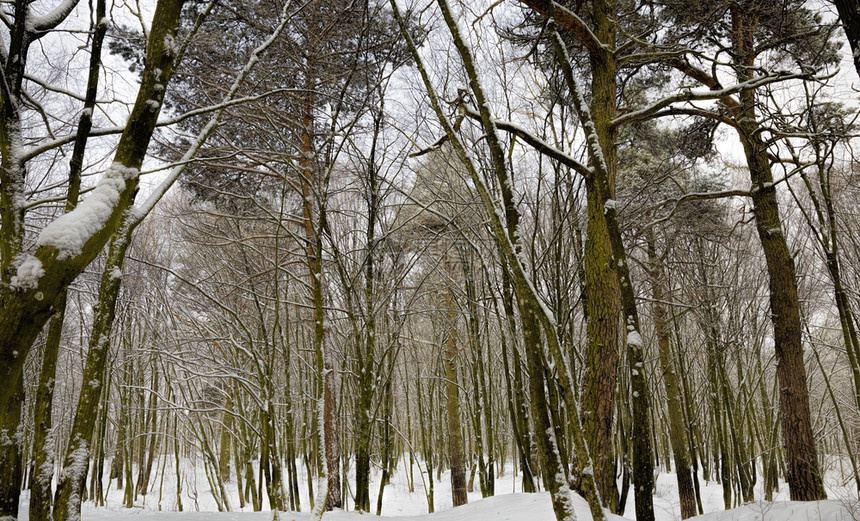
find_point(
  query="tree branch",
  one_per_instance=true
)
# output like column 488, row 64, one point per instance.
column 570, row 22
column 690, row 95
column 537, row 143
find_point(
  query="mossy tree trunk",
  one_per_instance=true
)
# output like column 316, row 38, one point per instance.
column 602, row 296
column 25, row 310
column 71, row 482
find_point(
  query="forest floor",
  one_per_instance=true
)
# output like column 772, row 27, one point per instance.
column 399, row 504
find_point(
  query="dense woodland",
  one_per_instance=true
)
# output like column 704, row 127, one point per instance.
column 298, row 243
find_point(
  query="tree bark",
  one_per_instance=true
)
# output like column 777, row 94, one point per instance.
column 332, row 442
column 602, row 292
column 601, row 356
column 452, row 395
column 71, row 482
column 849, row 15
column 803, row 476
column 10, row 450
column 677, row 433
column 43, row 438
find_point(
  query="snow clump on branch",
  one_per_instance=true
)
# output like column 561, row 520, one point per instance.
column 71, row 231
column 28, row 274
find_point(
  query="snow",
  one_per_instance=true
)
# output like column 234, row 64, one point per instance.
column 170, row 44
column 45, row 472
column 28, row 274
column 70, row 232
column 75, row 472
column 634, row 339
column 789, row 511
column 507, row 507
column 399, row 504
column 51, row 19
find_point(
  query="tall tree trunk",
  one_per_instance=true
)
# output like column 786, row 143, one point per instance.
column 313, row 217
column 802, row 473
column 366, row 376
column 43, row 438
column 332, row 442
column 10, row 451
column 452, row 394
column 677, row 433
column 601, row 355
column 70, row 484
column 601, row 289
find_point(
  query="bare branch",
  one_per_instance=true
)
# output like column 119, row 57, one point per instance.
column 568, row 21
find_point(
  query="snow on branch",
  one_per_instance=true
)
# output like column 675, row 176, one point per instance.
column 42, row 24
column 31, row 152
column 570, row 22
column 28, row 274
column 691, row 95
column 537, row 143
column 71, row 231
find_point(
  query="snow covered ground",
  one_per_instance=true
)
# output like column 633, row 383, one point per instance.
column 509, row 504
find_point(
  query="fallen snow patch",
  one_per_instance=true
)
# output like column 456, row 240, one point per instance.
column 789, row 511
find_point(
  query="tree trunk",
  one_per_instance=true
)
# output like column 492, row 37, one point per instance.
column 601, row 355
column 677, row 434
column 226, row 438
column 70, row 483
column 332, row 442
column 11, row 466
column 849, row 15
column 802, row 473
column 602, row 292
column 43, row 438
column 452, row 393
